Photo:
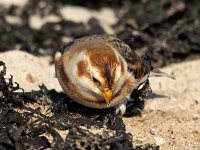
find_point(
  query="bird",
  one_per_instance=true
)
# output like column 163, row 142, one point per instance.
column 101, row 71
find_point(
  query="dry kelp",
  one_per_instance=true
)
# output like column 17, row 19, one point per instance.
column 48, row 119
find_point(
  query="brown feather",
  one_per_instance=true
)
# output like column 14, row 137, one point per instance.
column 103, row 58
column 82, row 69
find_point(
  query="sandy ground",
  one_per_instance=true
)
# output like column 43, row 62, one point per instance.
column 8, row 3
column 171, row 118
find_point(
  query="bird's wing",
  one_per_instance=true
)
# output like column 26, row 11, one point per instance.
column 140, row 67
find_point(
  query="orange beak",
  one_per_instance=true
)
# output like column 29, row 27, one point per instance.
column 107, row 96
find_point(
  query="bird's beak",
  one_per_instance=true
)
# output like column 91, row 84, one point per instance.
column 107, row 96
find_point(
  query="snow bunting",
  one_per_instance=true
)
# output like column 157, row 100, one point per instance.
column 101, row 71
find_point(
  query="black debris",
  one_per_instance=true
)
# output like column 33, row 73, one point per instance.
column 48, row 119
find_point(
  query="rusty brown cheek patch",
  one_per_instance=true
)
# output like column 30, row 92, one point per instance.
column 82, row 68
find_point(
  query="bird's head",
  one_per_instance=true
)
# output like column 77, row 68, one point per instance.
column 101, row 71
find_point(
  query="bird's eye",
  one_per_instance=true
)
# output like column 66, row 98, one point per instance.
column 95, row 80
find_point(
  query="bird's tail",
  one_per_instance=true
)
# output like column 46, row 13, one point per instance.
column 154, row 72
